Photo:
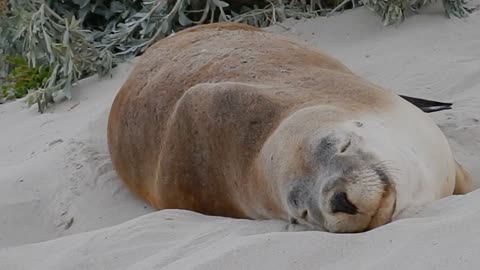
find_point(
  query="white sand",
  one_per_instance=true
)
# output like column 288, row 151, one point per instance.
column 62, row 206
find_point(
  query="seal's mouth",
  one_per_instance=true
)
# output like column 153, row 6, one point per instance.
column 312, row 224
column 386, row 207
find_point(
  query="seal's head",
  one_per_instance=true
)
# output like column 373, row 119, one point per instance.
column 331, row 173
column 347, row 189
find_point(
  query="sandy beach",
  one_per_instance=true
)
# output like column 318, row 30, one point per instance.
column 62, row 206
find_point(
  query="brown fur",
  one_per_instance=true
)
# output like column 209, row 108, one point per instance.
column 186, row 129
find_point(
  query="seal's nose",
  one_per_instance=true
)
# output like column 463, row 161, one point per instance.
column 340, row 204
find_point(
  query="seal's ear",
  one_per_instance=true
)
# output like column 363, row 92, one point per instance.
column 463, row 180
column 426, row 105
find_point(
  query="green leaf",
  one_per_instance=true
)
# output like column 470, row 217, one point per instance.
column 183, row 19
column 165, row 27
column 220, row 3
column 117, row 7
column 82, row 3
column 66, row 38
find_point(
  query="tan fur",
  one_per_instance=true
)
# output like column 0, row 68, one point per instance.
column 189, row 127
column 463, row 180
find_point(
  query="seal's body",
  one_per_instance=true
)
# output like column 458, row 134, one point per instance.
column 226, row 119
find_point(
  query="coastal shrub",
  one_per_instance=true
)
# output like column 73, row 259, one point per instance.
column 74, row 39
column 23, row 78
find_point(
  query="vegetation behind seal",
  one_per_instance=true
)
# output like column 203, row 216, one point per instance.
column 56, row 43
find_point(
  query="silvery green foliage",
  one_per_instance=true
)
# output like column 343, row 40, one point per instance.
column 393, row 11
column 138, row 31
column 10, row 44
column 457, row 8
column 80, row 38
column 62, row 44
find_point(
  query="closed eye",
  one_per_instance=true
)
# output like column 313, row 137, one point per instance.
column 345, row 146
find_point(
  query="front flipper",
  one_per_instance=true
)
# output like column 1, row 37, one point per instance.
column 213, row 137
column 426, row 105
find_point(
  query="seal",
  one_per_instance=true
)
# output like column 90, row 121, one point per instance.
column 229, row 120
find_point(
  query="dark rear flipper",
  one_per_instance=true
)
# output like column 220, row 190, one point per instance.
column 426, row 105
